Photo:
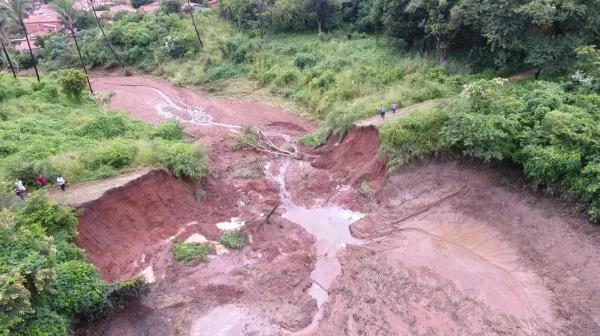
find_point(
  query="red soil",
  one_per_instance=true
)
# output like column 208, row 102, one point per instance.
column 338, row 168
column 447, row 248
column 121, row 231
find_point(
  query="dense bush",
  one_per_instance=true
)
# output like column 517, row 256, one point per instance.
column 183, row 160
column 170, row 130
column 73, row 82
column 44, row 132
column 553, row 134
column 115, row 154
column 413, row 137
column 78, row 287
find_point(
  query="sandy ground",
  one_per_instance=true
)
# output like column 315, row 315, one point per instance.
column 441, row 249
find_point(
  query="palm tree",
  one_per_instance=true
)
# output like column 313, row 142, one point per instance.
column 67, row 13
column 4, row 40
column 91, row 2
column 16, row 10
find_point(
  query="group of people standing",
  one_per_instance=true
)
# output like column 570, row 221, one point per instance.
column 19, row 188
column 382, row 109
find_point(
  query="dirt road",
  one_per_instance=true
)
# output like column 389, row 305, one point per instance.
column 435, row 249
column 79, row 194
column 377, row 121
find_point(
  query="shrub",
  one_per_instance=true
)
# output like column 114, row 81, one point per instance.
column 551, row 165
column 105, row 126
column 315, row 139
column 183, row 160
column 170, row 130
column 44, row 322
column 14, row 301
column 55, row 219
column 233, row 239
column 365, row 190
column 73, row 82
column 78, row 287
column 304, row 61
column 185, row 253
column 115, row 154
column 119, row 294
column 413, row 137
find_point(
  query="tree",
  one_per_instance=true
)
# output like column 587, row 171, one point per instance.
column 68, row 15
column 238, row 10
column 4, row 40
column 17, row 11
column 437, row 23
column 170, row 6
column 91, row 2
column 72, row 82
column 139, row 3
column 322, row 12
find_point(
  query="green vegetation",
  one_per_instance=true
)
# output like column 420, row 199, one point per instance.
column 54, row 128
column 233, row 239
column 551, row 132
column 191, row 252
column 46, row 131
column 45, row 282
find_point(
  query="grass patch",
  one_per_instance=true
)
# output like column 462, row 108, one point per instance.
column 233, row 239
column 315, row 139
column 186, row 253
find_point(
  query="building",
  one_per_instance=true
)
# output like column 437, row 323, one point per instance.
column 43, row 20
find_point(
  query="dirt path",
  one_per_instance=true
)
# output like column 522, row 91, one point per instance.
column 377, row 121
column 77, row 195
column 436, row 249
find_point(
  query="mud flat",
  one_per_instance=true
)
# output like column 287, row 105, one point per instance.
column 453, row 251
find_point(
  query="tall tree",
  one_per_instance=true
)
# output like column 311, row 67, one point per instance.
column 17, row 11
column 93, row 8
column 322, row 12
column 438, row 23
column 4, row 40
column 68, row 14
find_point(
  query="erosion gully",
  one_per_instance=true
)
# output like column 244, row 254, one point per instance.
column 447, row 248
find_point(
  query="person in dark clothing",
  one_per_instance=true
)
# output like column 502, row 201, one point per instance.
column 382, row 111
column 394, row 107
column 20, row 193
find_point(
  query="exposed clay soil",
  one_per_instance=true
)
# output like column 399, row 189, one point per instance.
column 332, row 173
column 445, row 248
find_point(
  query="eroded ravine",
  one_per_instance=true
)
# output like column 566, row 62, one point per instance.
column 422, row 258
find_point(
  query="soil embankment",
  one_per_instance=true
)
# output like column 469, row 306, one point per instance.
column 442, row 248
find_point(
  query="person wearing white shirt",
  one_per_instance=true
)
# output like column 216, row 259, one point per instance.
column 61, row 182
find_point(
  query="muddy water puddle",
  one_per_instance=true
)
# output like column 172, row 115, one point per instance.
column 331, row 228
